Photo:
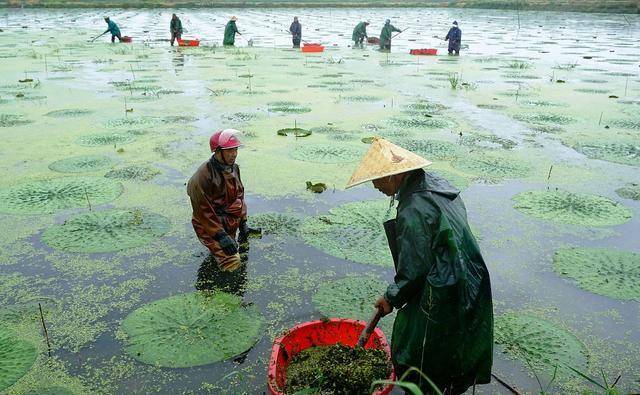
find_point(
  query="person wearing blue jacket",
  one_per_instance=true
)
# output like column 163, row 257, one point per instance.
column 455, row 38
column 113, row 29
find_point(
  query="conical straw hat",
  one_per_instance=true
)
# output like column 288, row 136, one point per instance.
column 385, row 159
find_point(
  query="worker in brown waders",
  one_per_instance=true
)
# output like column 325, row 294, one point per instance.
column 444, row 325
column 217, row 199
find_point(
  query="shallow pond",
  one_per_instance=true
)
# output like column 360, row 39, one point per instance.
column 539, row 126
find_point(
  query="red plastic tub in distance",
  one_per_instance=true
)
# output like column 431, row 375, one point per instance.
column 189, row 43
column 127, row 39
column 424, row 51
column 312, row 47
column 319, row 333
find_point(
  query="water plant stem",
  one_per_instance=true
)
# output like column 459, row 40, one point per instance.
column 600, row 120
column 504, row 384
column 87, row 196
column 549, row 175
column 132, row 73
column 44, row 327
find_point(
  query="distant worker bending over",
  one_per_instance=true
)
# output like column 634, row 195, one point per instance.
column 385, row 35
column 359, row 34
column 455, row 38
column 230, row 32
column 176, row 28
column 113, row 29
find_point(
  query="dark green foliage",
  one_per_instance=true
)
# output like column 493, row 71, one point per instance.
column 336, row 369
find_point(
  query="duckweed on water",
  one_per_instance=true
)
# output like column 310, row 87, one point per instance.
column 16, row 357
column 80, row 164
column 191, row 329
column 626, row 153
column 106, row 231
column 603, row 271
column 133, row 173
column 43, row 197
column 352, row 231
column 631, row 191
column 572, row 208
column 93, row 140
column 539, row 342
column 545, row 118
column 336, row 369
column 288, row 107
column 69, row 113
column 326, row 153
column 277, row 224
column 10, row 120
column 353, row 297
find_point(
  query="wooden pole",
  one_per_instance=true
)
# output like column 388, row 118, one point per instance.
column 46, row 333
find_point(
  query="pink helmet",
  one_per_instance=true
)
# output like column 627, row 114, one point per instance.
column 224, row 139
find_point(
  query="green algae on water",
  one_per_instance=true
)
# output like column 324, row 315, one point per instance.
column 430, row 149
column 603, row 271
column 326, row 153
column 11, row 120
column 277, row 224
column 16, row 357
column 133, row 173
column 630, row 191
column 352, row 231
column 540, row 343
column 353, row 297
column 105, row 231
column 336, row 369
column 80, row 164
column 44, row 197
column 544, row 118
column 623, row 152
column 69, row 113
column 288, row 107
column 93, row 140
column 572, row 208
column 191, row 329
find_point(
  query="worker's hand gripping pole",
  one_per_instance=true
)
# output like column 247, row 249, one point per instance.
column 368, row 330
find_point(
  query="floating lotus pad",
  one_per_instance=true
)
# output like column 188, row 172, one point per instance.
column 79, row 164
column 10, row 120
column 633, row 124
column 603, row 271
column 326, row 153
column 540, row 343
column 288, row 107
column 192, row 329
column 55, row 390
column 491, row 168
column 276, row 223
column 241, row 116
column 296, row 132
column 431, row 149
column 424, row 107
column 94, row 140
column 626, row 153
column 132, row 122
column 106, row 231
column 631, row 191
column 489, row 141
column 352, row 231
column 44, row 197
column 456, row 180
column 16, row 357
column 572, row 208
column 133, row 173
column 544, row 118
column 69, row 113
column 360, row 98
column 353, row 297
column 421, row 121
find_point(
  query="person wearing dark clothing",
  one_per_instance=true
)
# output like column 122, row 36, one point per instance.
column 359, row 34
column 442, row 290
column 385, row 35
column 455, row 38
column 113, row 29
column 230, row 32
column 176, row 28
column 296, row 32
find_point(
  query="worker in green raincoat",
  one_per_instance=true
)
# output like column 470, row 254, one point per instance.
column 175, row 27
column 230, row 32
column 359, row 34
column 113, row 29
column 444, row 324
column 385, row 35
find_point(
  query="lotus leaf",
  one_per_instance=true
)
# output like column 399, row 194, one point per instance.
column 633, row 124
column 92, row 140
column 572, row 208
column 275, row 223
column 592, row 91
column 79, row 164
column 105, row 231
column 132, row 122
column 288, row 107
column 133, row 172
column 420, row 121
column 191, row 329
column 240, row 117
column 544, row 118
column 431, row 149
column 297, row 132
column 10, row 120
column 353, row 297
column 456, row 180
column 424, row 107
column 326, row 153
column 352, row 231
column 631, row 191
column 16, row 357
column 492, row 168
column 55, row 390
column 626, row 153
column 360, row 98
column 603, row 271
column 42, row 197
column 69, row 113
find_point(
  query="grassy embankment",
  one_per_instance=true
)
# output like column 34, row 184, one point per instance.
column 625, row 6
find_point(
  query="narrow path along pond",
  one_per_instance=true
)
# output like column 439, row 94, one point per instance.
column 538, row 126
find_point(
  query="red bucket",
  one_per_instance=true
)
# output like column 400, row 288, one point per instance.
column 127, row 39
column 189, row 43
column 424, row 51
column 312, row 47
column 319, row 333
